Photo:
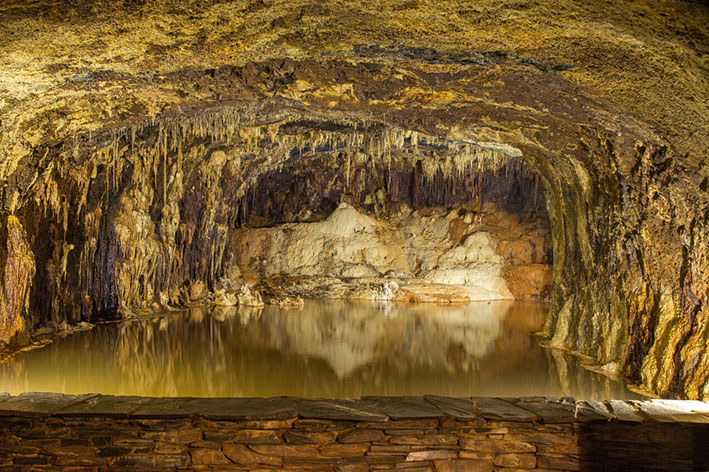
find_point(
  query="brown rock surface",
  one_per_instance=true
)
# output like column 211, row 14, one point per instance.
column 17, row 267
column 241, row 454
column 531, row 281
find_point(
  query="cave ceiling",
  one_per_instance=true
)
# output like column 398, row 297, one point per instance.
column 523, row 72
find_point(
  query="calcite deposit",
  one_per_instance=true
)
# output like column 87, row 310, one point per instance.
column 429, row 255
column 137, row 137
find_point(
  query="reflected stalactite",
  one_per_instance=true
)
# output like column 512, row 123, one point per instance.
column 327, row 349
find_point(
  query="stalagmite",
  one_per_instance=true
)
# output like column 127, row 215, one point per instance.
column 247, row 297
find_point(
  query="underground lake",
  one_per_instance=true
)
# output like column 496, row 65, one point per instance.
column 326, row 348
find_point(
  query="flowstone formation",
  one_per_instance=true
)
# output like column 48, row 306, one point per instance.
column 413, row 256
column 136, row 136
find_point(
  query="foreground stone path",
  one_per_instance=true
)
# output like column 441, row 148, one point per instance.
column 45, row 431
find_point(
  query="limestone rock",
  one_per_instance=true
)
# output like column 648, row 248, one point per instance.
column 249, row 298
column 223, row 298
column 359, row 251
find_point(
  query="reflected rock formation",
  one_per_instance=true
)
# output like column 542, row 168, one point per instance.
column 325, row 349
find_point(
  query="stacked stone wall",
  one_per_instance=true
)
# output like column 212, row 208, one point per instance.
column 101, row 433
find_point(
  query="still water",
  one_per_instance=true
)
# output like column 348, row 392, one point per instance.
column 327, row 349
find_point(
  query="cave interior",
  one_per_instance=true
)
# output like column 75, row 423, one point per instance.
column 155, row 156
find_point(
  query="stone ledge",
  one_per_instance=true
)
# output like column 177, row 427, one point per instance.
column 368, row 409
column 97, row 433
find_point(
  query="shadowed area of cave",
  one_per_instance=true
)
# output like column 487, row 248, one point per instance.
column 156, row 155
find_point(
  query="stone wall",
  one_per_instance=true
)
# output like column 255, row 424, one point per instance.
column 96, row 433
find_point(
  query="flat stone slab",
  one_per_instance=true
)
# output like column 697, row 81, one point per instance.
column 501, row 410
column 165, row 407
column 688, row 405
column 218, row 408
column 108, row 406
column 624, row 411
column 550, row 412
column 590, row 411
column 353, row 410
column 662, row 413
column 240, row 409
column 462, row 409
column 39, row 404
column 405, row 408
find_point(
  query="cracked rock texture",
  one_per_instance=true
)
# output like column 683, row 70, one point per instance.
column 133, row 133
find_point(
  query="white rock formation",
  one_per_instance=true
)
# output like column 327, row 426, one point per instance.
column 414, row 249
column 248, row 298
column 224, row 298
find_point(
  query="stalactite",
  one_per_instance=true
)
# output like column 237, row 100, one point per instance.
column 156, row 252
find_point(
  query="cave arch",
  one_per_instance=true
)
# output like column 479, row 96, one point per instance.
column 593, row 311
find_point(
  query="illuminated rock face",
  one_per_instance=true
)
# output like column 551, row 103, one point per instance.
column 17, row 268
column 428, row 255
column 128, row 152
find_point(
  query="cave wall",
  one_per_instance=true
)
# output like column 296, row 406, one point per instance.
column 630, row 238
column 17, row 267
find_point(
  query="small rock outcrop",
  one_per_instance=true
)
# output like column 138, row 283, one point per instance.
column 247, row 297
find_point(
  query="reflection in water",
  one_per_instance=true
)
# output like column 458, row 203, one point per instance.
column 328, row 349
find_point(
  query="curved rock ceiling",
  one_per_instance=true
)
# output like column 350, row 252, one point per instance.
column 109, row 108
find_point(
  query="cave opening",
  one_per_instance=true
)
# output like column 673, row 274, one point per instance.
column 193, row 218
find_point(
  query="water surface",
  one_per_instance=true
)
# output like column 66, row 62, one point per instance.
column 327, row 349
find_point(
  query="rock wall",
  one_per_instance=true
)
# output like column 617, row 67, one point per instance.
column 63, row 432
column 628, row 289
column 17, row 268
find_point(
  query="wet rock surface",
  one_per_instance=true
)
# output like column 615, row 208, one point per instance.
column 133, row 135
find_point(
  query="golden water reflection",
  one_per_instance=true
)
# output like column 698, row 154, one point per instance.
column 327, row 349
